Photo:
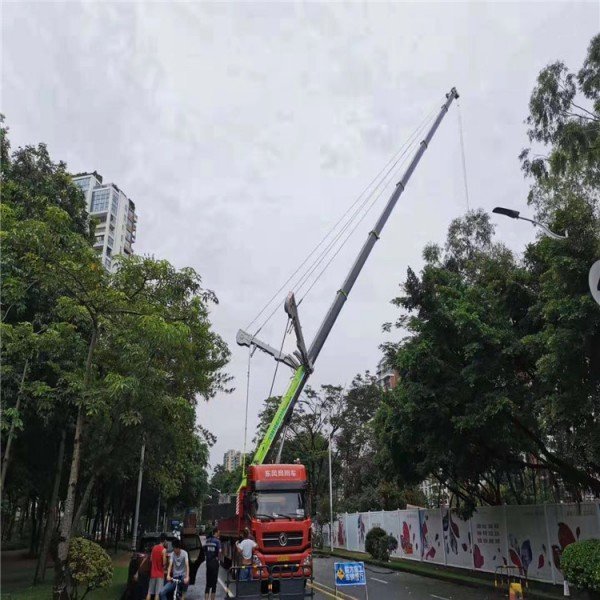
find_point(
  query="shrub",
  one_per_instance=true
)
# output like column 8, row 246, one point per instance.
column 89, row 566
column 580, row 563
column 379, row 544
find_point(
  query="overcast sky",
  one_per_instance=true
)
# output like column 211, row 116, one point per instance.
column 242, row 131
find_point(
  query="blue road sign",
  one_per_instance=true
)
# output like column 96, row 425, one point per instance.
column 349, row 573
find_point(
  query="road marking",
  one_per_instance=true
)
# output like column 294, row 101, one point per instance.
column 320, row 591
column 380, row 580
column 329, row 591
column 227, row 590
column 434, row 596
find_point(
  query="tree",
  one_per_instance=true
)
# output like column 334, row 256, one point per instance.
column 345, row 417
column 116, row 356
column 500, row 371
column 227, row 482
column 565, row 122
column 159, row 317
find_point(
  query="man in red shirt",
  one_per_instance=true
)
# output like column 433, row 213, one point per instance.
column 158, row 564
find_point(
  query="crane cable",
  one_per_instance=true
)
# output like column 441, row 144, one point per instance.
column 251, row 350
column 366, row 212
column 287, row 329
column 462, row 153
column 396, row 160
column 402, row 150
column 383, row 183
column 399, row 157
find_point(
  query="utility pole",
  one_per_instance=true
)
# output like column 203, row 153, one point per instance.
column 136, row 518
column 330, row 497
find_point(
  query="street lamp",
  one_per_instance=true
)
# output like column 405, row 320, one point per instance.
column 594, row 275
column 515, row 214
column 330, row 497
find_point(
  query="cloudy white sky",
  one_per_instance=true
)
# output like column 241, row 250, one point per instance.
column 242, row 131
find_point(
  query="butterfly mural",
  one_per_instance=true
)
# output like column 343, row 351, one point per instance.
column 565, row 538
column 405, row 541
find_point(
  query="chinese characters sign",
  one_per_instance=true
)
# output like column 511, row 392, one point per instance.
column 350, row 573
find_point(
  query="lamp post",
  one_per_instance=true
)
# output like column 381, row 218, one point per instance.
column 515, row 214
column 330, row 497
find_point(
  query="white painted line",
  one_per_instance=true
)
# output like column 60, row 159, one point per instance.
column 434, row 596
column 380, row 580
column 225, row 588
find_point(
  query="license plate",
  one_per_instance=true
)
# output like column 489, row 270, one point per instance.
column 283, row 559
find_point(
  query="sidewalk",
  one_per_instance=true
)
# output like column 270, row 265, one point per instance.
column 536, row 590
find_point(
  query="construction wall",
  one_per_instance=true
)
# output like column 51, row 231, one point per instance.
column 530, row 538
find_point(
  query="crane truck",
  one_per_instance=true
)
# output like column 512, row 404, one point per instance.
column 271, row 499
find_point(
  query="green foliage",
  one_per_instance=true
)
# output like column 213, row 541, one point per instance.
column 564, row 110
column 379, row 544
column 580, row 563
column 500, row 370
column 227, row 481
column 89, row 566
column 359, row 482
column 127, row 355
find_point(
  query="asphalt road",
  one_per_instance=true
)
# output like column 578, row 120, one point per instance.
column 381, row 585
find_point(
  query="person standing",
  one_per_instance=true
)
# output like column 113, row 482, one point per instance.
column 246, row 548
column 158, row 565
column 179, row 568
column 212, row 550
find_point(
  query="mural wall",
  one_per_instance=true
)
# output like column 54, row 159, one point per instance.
column 530, row 538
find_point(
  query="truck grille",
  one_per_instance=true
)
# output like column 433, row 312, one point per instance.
column 282, row 539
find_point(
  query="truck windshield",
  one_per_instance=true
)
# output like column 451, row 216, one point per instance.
column 279, row 504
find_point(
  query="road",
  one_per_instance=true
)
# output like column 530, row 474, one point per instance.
column 382, row 585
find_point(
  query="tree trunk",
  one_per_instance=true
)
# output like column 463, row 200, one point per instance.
column 84, row 502
column 24, row 518
column 40, row 569
column 11, row 432
column 34, row 521
column 61, row 582
column 9, row 519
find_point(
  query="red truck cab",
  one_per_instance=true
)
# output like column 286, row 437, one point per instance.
column 272, row 505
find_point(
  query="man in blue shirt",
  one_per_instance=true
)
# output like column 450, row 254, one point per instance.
column 212, row 550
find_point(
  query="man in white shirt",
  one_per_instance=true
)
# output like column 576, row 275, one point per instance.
column 245, row 548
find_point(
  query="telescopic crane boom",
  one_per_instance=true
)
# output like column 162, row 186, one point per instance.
column 303, row 360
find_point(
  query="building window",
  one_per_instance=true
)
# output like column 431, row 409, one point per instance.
column 111, row 241
column 107, row 262
column 83, row 184
column 100, row 200
column 115, row 202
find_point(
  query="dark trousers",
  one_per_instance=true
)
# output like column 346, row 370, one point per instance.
column 212, row 575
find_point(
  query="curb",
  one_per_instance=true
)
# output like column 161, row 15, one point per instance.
column 436, row 573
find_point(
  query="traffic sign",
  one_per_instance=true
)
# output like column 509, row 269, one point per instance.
column 594, row 281
column 349, row 573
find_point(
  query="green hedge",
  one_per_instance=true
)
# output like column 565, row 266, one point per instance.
column 379, row 544
column 89, row 564
column 580, row 563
